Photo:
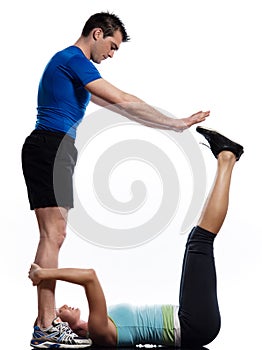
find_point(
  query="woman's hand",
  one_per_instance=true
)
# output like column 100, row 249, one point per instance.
column 33, row 274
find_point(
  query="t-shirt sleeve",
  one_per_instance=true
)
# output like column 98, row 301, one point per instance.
column 83, row 69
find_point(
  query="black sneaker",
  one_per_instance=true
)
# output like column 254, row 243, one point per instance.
column 59, row 335
column 219, row 142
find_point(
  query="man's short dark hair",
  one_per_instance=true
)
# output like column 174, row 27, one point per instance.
column 108, row 22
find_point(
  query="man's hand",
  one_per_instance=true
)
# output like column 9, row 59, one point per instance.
column 195, row 118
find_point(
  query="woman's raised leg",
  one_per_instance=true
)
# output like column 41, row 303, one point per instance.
column 198, row 310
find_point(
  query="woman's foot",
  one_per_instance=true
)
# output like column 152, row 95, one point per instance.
column 33, row 274
column 219, row 142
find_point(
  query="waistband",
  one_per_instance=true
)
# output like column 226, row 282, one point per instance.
column 55, row 134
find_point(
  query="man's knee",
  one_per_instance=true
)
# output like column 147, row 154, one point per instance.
column 60, row 237
column 52, row 225
column 54, row 236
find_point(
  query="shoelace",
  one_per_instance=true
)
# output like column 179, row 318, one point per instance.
column 204, row 144
column 66, row 333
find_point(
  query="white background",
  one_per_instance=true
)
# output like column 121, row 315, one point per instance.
column 183, row 56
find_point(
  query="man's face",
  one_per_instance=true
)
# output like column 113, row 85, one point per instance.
column 105, row 47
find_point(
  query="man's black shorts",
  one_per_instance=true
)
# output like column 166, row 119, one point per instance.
column 48, row 161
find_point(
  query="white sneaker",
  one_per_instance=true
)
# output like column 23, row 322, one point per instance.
column 59, row 335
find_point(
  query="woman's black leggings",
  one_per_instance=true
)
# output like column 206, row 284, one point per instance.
column 198, row 306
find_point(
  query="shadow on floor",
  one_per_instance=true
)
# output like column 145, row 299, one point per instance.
column 140, row 348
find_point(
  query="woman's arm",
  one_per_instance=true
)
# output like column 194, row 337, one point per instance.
column 107, row 95
column 72, row 275
column 100, row 328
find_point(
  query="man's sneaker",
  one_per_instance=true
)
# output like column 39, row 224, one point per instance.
column 59, row 335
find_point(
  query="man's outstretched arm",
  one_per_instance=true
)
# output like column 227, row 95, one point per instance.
column 107, row 95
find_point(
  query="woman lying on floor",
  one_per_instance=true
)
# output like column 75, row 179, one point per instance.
column 196, row 322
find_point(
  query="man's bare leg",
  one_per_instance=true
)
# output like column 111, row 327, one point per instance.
column 52, row 227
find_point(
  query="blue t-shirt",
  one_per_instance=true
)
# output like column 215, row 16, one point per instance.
column 149, row 324
column 62, row 97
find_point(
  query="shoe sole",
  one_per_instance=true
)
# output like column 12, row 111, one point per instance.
column 52, row 345
column 199, row 128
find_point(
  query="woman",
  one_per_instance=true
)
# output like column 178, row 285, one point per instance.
column 196, row 322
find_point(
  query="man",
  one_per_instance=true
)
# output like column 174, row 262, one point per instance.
column 69, row 82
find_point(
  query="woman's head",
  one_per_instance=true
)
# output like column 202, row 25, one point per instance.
column 68, row 314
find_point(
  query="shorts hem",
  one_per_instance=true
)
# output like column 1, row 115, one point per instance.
column 51, row 205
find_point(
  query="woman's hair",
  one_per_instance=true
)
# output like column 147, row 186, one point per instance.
column 108, row 22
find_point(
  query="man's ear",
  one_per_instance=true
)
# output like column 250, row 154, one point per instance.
column 97, row 33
